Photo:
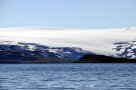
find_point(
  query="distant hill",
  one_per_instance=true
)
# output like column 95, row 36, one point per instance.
column 18, row 52
column 103, row 59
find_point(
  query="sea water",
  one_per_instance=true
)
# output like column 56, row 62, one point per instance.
column 68, row 76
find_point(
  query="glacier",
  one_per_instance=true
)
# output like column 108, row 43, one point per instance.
column 98, row 41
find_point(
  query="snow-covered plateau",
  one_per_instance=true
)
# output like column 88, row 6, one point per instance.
column 68, row 43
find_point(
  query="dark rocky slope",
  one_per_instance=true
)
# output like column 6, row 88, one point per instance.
column 103, row 59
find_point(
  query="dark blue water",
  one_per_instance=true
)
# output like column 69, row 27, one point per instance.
column 67, row 76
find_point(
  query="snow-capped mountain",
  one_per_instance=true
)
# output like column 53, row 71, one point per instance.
column 61, row 42
column 19, row 50
column 125, row 49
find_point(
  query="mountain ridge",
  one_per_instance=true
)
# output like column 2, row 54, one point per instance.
column 119, row 42
column 20, row 51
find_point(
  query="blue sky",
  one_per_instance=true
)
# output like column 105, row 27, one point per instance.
column 68, row 13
